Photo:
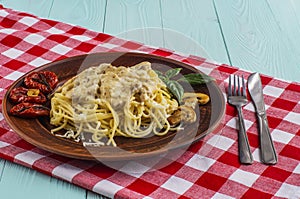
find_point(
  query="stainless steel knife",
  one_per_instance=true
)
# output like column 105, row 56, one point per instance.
column 267, row 150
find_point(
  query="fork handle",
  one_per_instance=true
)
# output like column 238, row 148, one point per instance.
column 245, row 154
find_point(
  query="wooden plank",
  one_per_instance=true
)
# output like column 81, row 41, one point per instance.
column 287, row 15
column 92, row 195
column 254, row 39
column 22, row 182
column 86, row 13
column 40, row 8
column 124, row 15
column 2, row 165
column 296, row 7
column 138, row 20
column 196, row 20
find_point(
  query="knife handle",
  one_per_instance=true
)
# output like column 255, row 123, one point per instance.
column 245, row 154
column 267, row 150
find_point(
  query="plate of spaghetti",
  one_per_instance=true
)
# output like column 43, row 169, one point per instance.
column 114, row 106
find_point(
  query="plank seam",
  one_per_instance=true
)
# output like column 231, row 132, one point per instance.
column 162, row 23
column 2, row 170
column 51, row 6
column 222, row 33
column 104, row 18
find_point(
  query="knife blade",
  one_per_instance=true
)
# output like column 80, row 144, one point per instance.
column 267, row 149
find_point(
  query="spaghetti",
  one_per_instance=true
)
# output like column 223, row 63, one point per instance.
column 106, row 101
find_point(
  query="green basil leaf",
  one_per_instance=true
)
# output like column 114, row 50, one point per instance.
column 173, row 72
column 176, row 89
column 196, row 78
column 161, row 76
column 158, row 73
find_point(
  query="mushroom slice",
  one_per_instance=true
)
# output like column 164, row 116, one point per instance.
column 202, row 98
column 184, row 113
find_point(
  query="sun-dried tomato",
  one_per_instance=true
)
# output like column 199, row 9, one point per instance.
column 45, row 81
column 29, row 110
column 21, row 94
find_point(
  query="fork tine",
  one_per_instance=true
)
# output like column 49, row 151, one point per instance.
column 229, row 86
column 234, row 84
column 239, row 86
column 244, row 87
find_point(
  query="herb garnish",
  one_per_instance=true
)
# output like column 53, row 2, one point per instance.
column 175, row 87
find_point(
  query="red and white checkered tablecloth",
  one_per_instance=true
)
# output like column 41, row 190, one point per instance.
column 28, row 42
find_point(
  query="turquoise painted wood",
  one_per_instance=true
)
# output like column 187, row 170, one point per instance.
column 2, row 165
column 254, row 35
column 125, row 15
column 287, row 16
column 137, row 20
column 22, row 182
column 39, row 8
column 87, row 13
column 198, row 21
column 255, row 40
column 295, row 6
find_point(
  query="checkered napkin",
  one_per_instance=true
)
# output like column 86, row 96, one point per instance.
column 28, row 42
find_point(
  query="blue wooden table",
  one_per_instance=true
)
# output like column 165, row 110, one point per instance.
column 256, row 35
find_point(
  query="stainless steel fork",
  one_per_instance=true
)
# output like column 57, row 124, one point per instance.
column 237, row 96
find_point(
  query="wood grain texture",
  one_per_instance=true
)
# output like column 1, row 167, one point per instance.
column 198, row 21
column 124, row 15
column 22, row 182
column 92, row 195
column 253, row 38
column 287, row 16
column 86, row 13
column 134, row 20
column 39, row 8
column 295, row 4
column 2, row 165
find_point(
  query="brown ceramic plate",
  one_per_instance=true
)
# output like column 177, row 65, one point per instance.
column 37, row 131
